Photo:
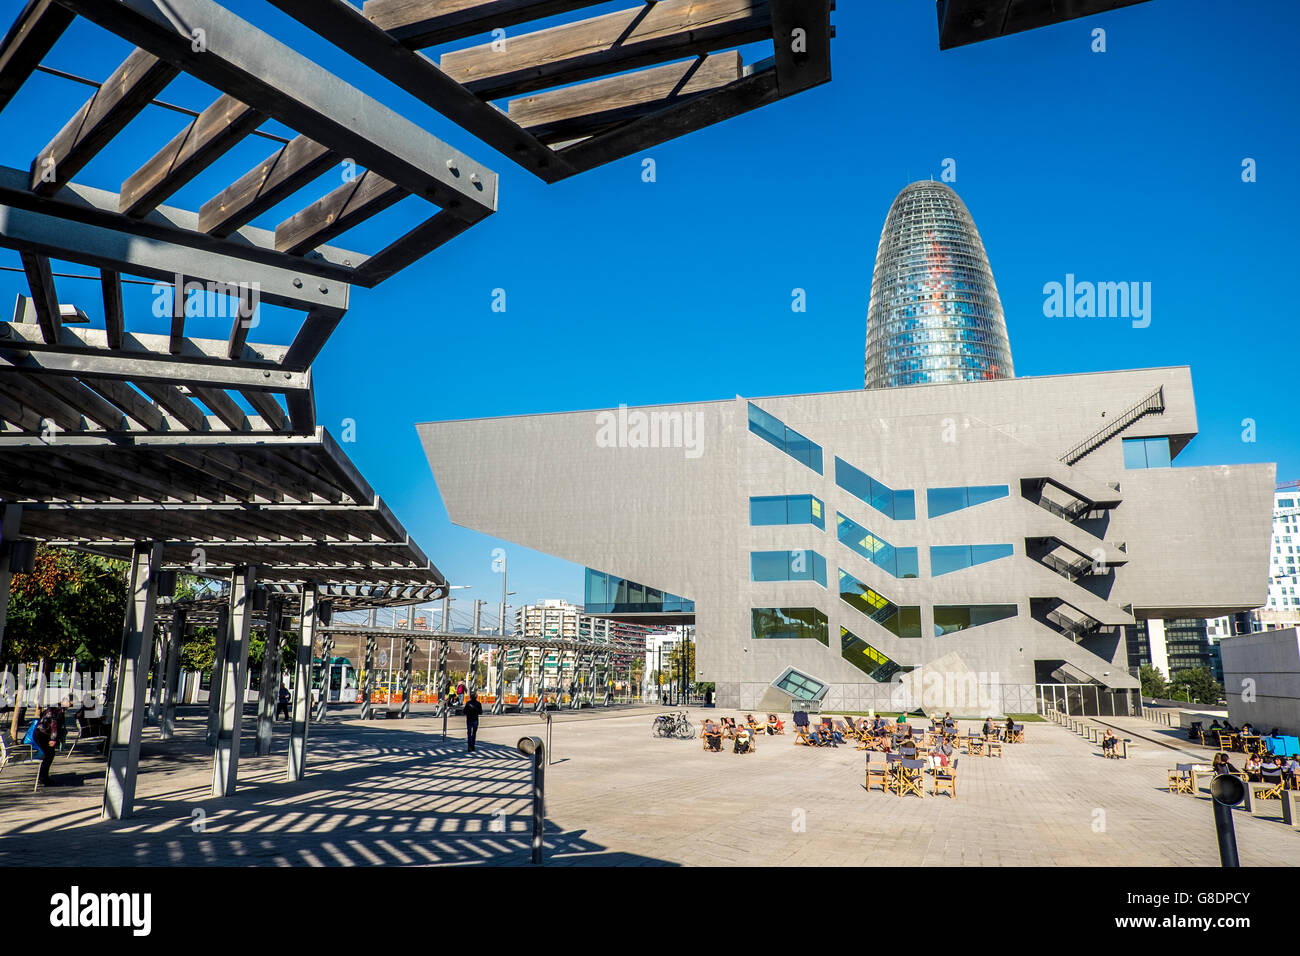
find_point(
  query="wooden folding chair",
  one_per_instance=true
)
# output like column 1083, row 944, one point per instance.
column 911, row 777
column 975, row 746
column 1018, row 734
column 801, row 736
column 1180, row 779
column 1272, row 790
column 945, row 780
column 704, row 726
column 878, row 771
column 994, row 748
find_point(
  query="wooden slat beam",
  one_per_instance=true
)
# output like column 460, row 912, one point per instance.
column 576, row 111
column 177, row 405
column 135, row 405
column 44, row 298
column 85, row 401
column 44, row 403
column 114, row 325
column 337, row 212
column 33, row 34
column 280, row 175
column 641, row 36
column 756, row 90
column 192, row 150
column 421, row 23
column 264, row 404
column 140, row 78
column 223, row 406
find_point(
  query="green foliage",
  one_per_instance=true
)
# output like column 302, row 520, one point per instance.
column 1196, row 685
column 72, row 605
column 1153, row 682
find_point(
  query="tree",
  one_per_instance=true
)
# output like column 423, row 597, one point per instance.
column 1153, row 682
column 1200, row 685
column 71, row 605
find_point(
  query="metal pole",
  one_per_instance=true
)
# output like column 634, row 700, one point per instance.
column 368, row 685
column 268, row 696
column 221, row 639
column 533, row 747
column 442, row 664
column 225, row 760
column 408, row 652
column 471, row 685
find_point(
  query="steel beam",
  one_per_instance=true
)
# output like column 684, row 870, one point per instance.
column 32, row 35
column 302, row 685
column 257, row 69
column 44, row 298
column 128, row 704
column 105, row 248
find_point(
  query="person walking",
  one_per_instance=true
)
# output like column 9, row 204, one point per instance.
column 472, row 710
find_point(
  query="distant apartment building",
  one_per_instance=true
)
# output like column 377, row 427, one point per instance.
column 1282, row 610
column 557, row 620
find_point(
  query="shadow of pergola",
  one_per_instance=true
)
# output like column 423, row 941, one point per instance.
column 373, row 796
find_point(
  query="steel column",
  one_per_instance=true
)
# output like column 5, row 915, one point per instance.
column 327, row 676
column 225, row 761
column 268, row 696
column 408, row 652
column 128, row 704
column 368, row 688
column 220, row 643
column 159, row 652
column 302, row 685
column 9, row 526
column 175, row 639
column 499, row 705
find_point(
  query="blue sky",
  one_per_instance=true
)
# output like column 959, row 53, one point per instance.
column 1122, row 165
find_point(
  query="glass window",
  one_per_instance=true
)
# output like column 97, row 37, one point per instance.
column 1147, row 452
column 766, row 511
column 866, row 658
column 902, row 621
column 776, row 432
column 798, row 565
column 948, row 558
column 788, row 623
column 766, row 427
column 900, row 562
column 787, row 509
column 610, row 594
column 948, row 619
column 799, row 685
column 942, row 501
column 899, row 505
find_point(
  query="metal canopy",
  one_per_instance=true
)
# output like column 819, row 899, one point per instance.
column 573, row 128
column 293, row 506
column 972, row 21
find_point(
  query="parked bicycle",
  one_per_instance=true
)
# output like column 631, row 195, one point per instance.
column 673, row 725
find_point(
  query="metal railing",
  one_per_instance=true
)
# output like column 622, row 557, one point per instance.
column 1153, row 404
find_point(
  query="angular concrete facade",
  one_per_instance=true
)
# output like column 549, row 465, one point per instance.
column 662, row 495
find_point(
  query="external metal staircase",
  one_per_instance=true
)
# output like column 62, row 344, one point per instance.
column 1153, row 404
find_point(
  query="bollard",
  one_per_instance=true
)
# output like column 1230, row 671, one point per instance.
column 1291, row 808
column 1227, row 791
column 533, row 747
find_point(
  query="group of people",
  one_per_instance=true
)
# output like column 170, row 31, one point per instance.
column 741, row 735
column 884, row 736
column 1261, row 768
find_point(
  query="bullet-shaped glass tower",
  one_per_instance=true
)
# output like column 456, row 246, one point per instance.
column 934, row 315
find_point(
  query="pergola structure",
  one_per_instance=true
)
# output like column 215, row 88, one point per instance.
column 182, row 453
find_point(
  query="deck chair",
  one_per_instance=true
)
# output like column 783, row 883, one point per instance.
column 1225, row 741
column 845, row 728
column 1272, row 789
column 752, row 737
column 1180, row 779
column 911, row 777
column 877, row 771
column 704, row 726
column 729, row 728
column 1018, row 734
column 801, row 736
column 945, row 780
column 776, row 722
column 893, row 765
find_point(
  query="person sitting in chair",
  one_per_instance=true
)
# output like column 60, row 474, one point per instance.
column 1216, row 725
column 1108, row 741
column 775, row 725
column 989, row 729
column 1291, row 772
column 830, row 734
column 1010, row 731
column 1222, row 765
column 758, row 726
column 712, row 735
column 1270, row 769
column 742, row 745
column 1252, row 768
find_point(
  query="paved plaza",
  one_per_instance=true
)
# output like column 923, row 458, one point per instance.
column 385, row 792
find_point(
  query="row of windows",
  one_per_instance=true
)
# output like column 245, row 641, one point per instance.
column 899, row 505
column 1146, row 453
column 610, row 594
column 771, row 429
column 948, row 558
column 799, row 565
column 787, row 509
column 789, row 623
column 900, row 562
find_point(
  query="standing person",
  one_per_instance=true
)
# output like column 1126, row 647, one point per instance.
column 472, row 710
column 282, row 703
column 45, row 737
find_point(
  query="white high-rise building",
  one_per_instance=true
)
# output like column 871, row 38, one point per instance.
column 1283, row 607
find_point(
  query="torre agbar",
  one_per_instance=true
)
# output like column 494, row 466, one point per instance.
column 968, row 541
column 935, row 315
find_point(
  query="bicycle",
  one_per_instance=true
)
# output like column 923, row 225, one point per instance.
column 673, row 726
